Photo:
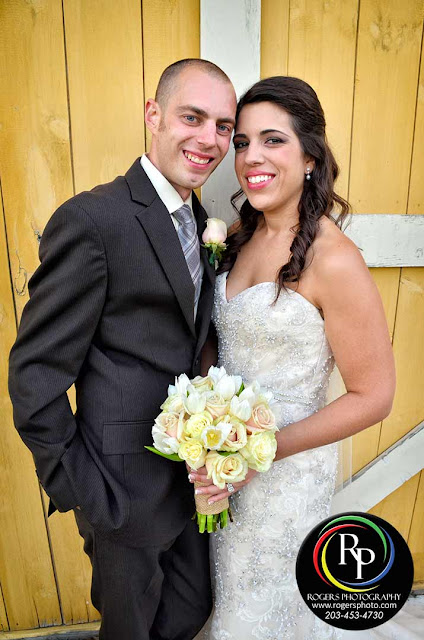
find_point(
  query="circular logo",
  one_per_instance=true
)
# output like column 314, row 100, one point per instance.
column 354, row 571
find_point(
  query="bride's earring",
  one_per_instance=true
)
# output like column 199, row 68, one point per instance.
column 308, row 173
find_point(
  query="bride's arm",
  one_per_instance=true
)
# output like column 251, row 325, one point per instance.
column 356, row 329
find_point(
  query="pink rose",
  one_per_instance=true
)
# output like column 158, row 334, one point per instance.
column 262, row 419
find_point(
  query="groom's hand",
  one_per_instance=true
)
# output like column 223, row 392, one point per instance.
column 215, row 492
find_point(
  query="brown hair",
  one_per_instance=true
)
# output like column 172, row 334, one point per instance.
column 318, row 197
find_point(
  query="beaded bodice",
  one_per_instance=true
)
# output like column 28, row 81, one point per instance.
column 282, row 345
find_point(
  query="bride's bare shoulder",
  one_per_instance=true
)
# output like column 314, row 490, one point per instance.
column 334, row 254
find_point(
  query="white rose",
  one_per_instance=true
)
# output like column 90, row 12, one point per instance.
column 260, row 450
column 215, row 232
column 214, row 436
column 195, row 424
column 193, row 452
column 222, row 469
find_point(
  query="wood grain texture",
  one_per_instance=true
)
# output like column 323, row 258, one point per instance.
column 416, row 188
column 416, row 537
column 398, row 506
column 275, row 15
column 26, row 574
column 105, row 73
column 408, row 345
column 389, row 44
column 328, row 65
column 171, row 32
column 34, row 136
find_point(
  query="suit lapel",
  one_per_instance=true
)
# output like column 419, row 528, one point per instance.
column 158, row 226
column 204, row 309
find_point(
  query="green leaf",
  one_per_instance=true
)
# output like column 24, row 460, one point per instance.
column 226, row 453
column 169, row 456
column 240, row 390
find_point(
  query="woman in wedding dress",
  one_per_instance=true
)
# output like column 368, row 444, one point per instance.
column 293, row 295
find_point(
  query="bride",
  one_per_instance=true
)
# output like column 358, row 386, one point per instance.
column 293, row 295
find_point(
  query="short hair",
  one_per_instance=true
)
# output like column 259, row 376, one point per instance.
column 169, row 76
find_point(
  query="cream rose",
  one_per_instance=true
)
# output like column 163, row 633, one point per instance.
column 173, row 403
column 237, row 438
column 223, row 469
column 260, row 450
column 262, row 419
column 171, row 423
column 202, row 384
column 196, row 424
column 216, row 405
column 193, row 452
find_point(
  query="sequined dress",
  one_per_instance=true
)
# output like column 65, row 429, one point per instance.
column 284, row 347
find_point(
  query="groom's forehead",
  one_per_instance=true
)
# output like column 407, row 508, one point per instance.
column 204, row 93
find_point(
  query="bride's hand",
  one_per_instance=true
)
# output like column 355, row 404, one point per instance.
column 215, row 492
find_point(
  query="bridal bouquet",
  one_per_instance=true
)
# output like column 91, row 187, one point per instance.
column 217, row 422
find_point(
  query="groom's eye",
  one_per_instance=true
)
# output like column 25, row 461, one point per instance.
column 191, row 119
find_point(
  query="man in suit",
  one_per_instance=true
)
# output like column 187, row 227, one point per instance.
column 119, row 305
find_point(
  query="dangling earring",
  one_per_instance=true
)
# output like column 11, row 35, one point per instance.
column 308, row 173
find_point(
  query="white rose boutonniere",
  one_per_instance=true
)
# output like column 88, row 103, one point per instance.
column 214, row 237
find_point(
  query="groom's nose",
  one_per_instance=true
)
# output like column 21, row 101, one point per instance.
column 206, row 135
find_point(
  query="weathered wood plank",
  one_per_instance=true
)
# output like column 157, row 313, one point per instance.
column 398, row 506
column 105, row 72
column 416, row 537
column 36, row 177
column 274, row 37
column 416, row 187
column 328, row 65
column 389, row 43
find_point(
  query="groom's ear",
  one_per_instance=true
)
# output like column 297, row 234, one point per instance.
column 152, row 115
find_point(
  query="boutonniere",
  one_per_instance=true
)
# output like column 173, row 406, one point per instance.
column 214, row 237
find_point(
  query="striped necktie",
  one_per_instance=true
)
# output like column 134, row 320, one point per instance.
column 187, row 233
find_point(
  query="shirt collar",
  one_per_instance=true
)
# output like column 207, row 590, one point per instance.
column 166, row 192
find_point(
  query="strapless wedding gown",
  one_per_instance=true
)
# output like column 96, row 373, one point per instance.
column 284, row 347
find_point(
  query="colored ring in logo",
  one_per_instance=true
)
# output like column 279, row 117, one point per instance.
column 327, row 534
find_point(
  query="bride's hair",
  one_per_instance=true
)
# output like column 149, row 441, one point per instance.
column 318, row 198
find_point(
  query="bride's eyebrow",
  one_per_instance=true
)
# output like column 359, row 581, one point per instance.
column 266, row 131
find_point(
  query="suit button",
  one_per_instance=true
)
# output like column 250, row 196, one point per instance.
column 196, row 362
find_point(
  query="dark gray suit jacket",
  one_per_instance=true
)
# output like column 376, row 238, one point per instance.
column 111, row 309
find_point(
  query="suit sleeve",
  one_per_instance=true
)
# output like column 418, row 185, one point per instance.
column 67, row 294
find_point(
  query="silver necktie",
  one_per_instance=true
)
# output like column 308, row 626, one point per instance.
column 187, row 233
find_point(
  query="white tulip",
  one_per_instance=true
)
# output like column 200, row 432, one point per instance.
column 195, row 402
column 216, row 373
column 241, row 409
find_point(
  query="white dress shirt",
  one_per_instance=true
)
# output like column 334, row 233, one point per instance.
column 169, row 196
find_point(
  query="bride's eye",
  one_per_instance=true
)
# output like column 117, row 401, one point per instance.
column 242, row 144
column 274, row 141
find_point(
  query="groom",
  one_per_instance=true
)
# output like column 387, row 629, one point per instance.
column 121, row 304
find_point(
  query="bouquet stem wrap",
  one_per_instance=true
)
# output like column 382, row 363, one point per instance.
column 210, row 515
